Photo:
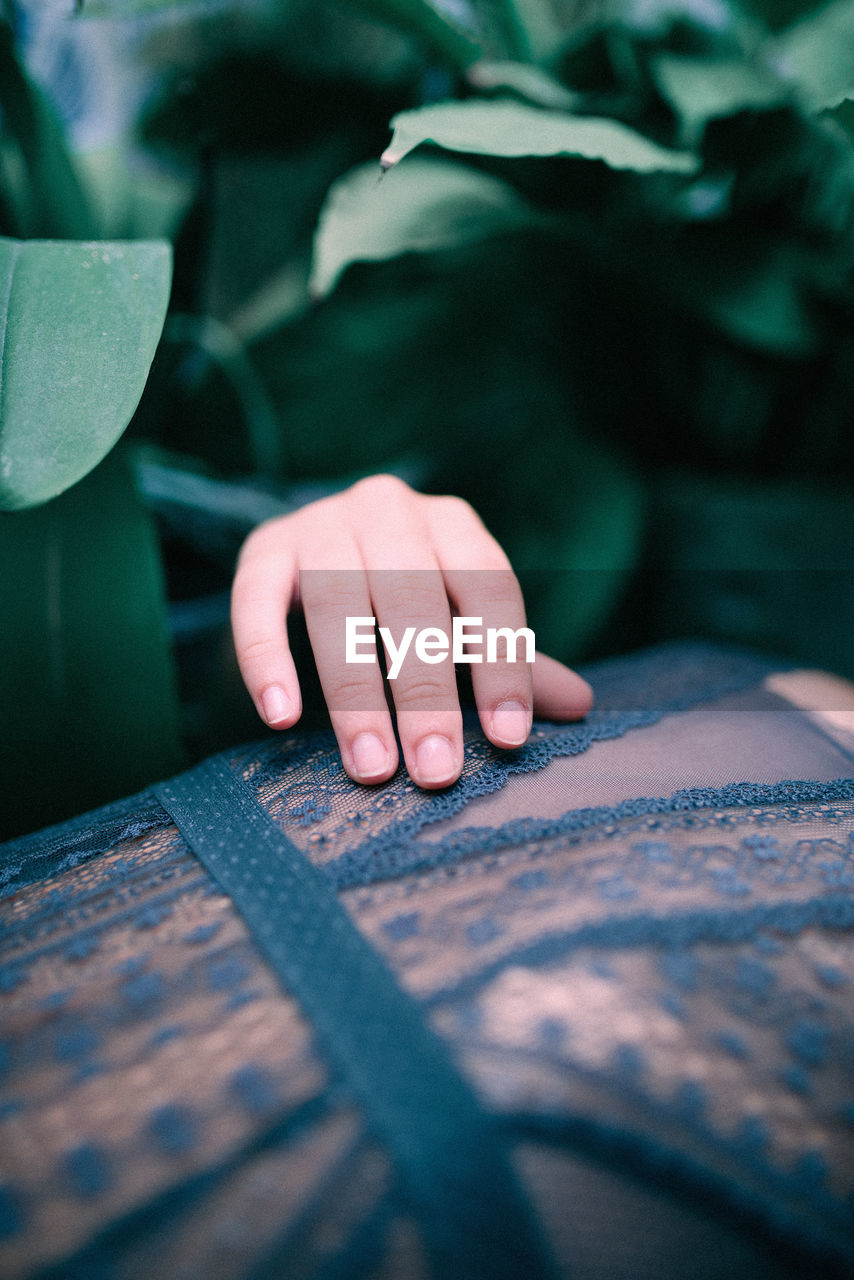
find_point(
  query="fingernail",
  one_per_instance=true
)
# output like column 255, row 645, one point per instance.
column 275, row 704
column 370, row 755
column 435, row 760
column 511, row 723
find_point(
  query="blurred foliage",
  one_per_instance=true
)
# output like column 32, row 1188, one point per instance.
column 603, row 290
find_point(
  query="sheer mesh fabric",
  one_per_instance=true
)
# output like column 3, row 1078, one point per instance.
column 635, row 937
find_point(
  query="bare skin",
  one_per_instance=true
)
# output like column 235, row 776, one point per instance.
column 368, row 549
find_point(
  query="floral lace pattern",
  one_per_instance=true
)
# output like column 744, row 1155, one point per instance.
column 653, row 997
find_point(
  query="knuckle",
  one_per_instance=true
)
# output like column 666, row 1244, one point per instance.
column 256, row 652
column 498, row 561
column 454, row 507
column 343, row 694
column 382, row 487
column 420, row 600
column 424, row 693
column 503, row 584
column 261, row 539
column 501, row 596
column 327, row 595
column 458, row 514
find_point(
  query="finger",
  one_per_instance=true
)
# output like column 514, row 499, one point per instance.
column 559, row 692
column 483, row 588
column 260, row 598
column 415, row 623
column 334, row 600
column 411, row 605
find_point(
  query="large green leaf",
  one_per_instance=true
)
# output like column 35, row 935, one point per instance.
column 87, row 690
column 425, row 204
column 79, row 324
column 818, row 54
column 505, row 128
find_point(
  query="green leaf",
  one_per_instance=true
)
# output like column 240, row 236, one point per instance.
column 537, row 30
column 505, row 128
column 817, row 53
column 130, row 8
column 86, row 681
column 424, row 205
column 762, row 306
column 760, row 294
column 134, row 198
column 418, row 18
column 79, row 324
column 701, row 89
column 429, row 23
column 843, row 116
column 41, row 184
column 529, row 82
column 778, row 14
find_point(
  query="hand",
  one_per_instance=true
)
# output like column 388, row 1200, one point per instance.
column 381, row 550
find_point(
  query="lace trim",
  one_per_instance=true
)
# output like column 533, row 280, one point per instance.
column 665, row 679
column 392, row 853
column 51, row 851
